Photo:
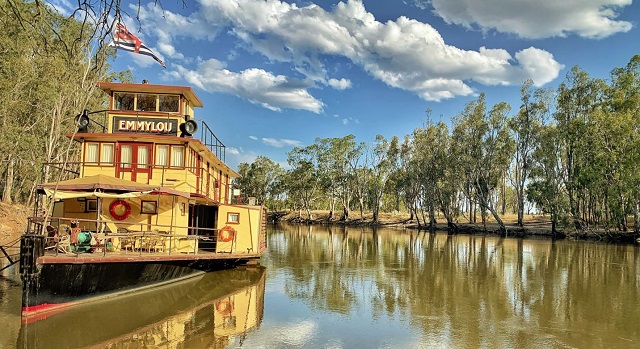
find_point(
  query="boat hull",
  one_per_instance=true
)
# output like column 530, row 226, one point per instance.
column 122, row 322
column 58, row 284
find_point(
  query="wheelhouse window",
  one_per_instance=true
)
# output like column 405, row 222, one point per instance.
column 146, row 102
column 124, row 101
column 169, row 103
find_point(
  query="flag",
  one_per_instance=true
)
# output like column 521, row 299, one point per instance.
column 124, row 40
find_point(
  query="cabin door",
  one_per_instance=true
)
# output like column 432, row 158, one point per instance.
column 133, row 161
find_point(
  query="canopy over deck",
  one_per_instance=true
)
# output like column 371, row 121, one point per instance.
column 104, row 183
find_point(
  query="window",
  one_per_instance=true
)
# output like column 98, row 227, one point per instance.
column 146, row 102
column 169, row 103
column 92, row 205
column 126, row 156
column 124, row 101
column 233, row 217
column 169, row 156
column 162, row 155
column 92, row 153
column 149, row 207
column 106, row 156
column 177, row 156
column 143, row 156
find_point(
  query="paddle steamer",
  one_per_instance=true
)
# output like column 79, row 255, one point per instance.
column 151, row 203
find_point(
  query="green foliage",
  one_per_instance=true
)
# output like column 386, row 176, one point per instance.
column 262, row 179
column 48, row 75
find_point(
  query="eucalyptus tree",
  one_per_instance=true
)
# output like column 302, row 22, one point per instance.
column 577, row 99
column 302, row 179
column 405, row 178
column 259, row 179
column 485, row 147
column 468, row 130
column 525, row 129
column 337, row 159
column 427, row 167
column 448, row 180
column 546, row 188
column 618, row 132
column 49, row 74
column 384, row 157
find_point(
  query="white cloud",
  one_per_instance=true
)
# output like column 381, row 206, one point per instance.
column 341, row 84
column 280, row 143
column 235, row 156
column 537, row 19
column 256, row 85
column 404, row 53
column 348, row 120
column 232, row 151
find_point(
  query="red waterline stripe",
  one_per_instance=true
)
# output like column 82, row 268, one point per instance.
column 31, row 314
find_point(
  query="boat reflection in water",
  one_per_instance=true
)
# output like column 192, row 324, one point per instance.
column 207, row 312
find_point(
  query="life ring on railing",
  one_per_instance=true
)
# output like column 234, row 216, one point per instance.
column 114, row 209
column 226, row 234
column 224, row 307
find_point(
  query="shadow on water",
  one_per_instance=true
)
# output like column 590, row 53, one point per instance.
column 207, row 310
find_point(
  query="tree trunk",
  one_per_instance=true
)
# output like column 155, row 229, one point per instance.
column 520, row 208
column 503, row 228
column 635, row 216
column 8, row 186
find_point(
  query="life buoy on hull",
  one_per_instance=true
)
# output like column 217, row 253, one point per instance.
column 226, row 234
column 224, row 307
column 120, row 209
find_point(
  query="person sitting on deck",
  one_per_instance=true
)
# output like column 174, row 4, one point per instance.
column 75, row 231
column 52, row 236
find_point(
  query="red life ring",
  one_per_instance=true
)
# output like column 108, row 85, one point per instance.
column 226, row 234
column 224, row 307
column 115, row 206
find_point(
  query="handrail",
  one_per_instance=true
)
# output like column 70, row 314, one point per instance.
column 168, row 240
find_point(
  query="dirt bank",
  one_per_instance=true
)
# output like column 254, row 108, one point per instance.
column 534, row 225
column 13, row 221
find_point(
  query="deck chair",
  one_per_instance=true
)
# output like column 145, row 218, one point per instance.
column 64, row 244
column 127, row 243
column 52, row 237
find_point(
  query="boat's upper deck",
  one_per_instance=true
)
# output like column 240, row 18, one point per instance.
column 149, row 135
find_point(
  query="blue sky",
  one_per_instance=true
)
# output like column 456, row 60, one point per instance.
column 273, row 74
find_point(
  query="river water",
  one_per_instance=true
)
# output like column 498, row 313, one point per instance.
column 345, row 287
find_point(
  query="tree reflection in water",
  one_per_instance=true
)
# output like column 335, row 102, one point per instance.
column 465, row 291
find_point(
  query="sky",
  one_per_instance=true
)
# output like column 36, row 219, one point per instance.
column 273, row 75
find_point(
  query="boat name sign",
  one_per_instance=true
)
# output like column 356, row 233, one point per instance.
column 168, row 127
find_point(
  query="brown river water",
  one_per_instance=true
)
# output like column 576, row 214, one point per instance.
column 346, row 287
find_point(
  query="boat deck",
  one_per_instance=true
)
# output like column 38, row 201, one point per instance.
column 140, row 256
